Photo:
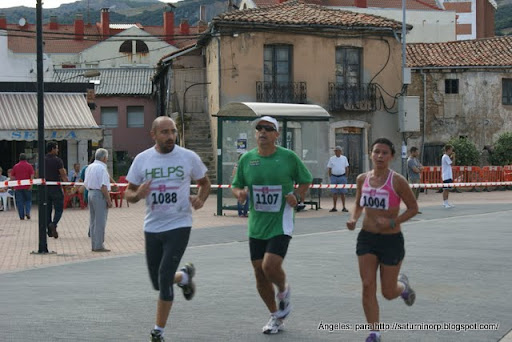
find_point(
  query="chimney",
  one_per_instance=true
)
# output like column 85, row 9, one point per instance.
column 105, row 23
column 169, row 27
column 79, row 27
column 202, row 24
column 202, row 13
column 361, row 3
column 54, row 24
column 184, row 27
column 3, row 21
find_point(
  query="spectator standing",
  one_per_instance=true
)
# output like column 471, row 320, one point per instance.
column 22, row 193
column 414, row 168
column 97, row 182
column 54, row 171
column 338, row 167
column 243, row 208
column 447, row 174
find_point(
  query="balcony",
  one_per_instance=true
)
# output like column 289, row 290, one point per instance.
column 361, row 97
column 291, row 92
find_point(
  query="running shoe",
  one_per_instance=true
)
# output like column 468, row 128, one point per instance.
column 156, row 336
column 273, row 326
column 189, row 289
column 408, row 294
column 373, row 337
column 448, row 205
column 300, row 207
column 284, row 303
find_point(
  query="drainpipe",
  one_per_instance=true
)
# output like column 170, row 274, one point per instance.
column 424, row 113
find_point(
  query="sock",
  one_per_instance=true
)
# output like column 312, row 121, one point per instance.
column 445, row 202
column 159, row 329
column 281, row 295
column 377, row 333
column 184, row 278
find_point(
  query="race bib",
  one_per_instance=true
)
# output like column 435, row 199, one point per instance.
column 164, row 198
column 267, row 198
column 375, row 199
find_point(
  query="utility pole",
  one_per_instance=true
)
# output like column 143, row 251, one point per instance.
column 41, row 196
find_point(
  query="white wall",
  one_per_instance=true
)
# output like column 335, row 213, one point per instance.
column 21, row 68
column 428, row 26
column 107, row 54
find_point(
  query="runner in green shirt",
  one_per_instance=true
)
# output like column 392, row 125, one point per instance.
column 270, row 173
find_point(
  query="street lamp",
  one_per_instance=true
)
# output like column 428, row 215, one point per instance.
column 86, row 74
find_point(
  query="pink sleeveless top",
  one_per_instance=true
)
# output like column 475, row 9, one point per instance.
column 382, row 198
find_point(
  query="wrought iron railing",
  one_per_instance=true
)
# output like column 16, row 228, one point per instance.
column 361, row 97
column 290, row 92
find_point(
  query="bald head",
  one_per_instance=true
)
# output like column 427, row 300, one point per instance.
column 161, row 120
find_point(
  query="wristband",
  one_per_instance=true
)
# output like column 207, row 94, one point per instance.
column 392, row 223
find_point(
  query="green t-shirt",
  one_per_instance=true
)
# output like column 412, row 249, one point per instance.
column 269, row 180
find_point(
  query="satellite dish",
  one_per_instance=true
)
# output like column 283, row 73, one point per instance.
column 22, row 21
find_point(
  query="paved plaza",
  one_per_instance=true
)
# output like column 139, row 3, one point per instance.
column 455, row 258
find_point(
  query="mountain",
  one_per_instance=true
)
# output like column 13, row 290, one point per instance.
column 149, row 12
column 146, row 12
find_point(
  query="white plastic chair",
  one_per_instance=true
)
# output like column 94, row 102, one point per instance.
column 5, row 197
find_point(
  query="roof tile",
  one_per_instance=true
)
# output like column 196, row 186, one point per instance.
column 295, row 12
column 483, row 52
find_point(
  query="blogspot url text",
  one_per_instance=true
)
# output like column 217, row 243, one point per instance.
column 408, row 326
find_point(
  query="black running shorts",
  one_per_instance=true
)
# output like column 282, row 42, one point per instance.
column 276, row 245
column 389, row 248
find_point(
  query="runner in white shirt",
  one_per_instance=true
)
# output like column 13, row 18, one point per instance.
column 162, row 176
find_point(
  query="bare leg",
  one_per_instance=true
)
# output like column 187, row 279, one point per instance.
column 269, row 271
column 368, row 265
column 334, row 200
column 163, row 309
column 343, row 199
column 391, row 288
column 446, row 192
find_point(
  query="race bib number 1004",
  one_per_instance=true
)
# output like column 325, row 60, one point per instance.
column 267, row 198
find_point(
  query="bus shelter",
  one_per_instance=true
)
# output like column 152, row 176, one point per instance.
column 303, row 129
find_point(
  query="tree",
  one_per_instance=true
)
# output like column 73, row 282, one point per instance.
column 502, row 151
column 466, row 153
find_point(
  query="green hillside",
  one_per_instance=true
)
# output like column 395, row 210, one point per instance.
column 503, row 20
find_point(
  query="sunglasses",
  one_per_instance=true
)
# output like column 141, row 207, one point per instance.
column 267, row 128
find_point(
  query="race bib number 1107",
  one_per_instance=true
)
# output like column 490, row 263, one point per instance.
column 267, row 198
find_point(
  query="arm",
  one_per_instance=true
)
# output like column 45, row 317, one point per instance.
column 329, row 171
column 240, row 194
column 105, row 193
column 203, row 193
column 63, row 175
column 135, row 193
column 358, row 210
column 403, row 189
column 293, row 199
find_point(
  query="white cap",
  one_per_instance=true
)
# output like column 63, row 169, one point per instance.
column 268, row 119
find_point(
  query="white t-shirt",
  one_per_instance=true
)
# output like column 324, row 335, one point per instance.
column 96, row 175
column 446, row 167
column 168, row 204
column 338, row 165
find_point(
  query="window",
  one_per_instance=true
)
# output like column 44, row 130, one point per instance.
column 140, row 47
column 348, row 66
column 109, row 117
column 451, row 86
column 135, row 116
column 507, row 91
column 277, row 63
column 126, row 46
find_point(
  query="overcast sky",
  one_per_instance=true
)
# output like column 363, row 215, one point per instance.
column 46, row 3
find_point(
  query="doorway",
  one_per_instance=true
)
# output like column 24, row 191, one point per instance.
column 351, row 140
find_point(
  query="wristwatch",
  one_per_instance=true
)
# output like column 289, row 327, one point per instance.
column 392, row 223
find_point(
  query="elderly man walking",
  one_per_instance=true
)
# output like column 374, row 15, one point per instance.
column 97, row 182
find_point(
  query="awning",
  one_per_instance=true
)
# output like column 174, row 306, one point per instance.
column 66, row 117
column 252, row 110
